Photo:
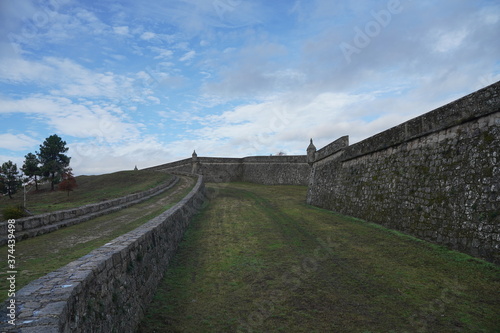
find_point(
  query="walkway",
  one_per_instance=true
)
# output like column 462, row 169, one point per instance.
column 38, row 256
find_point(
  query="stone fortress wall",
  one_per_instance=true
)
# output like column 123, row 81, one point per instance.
column 268, row 170
column 109, row 289
column 436, row 177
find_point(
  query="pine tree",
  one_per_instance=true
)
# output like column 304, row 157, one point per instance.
column 9, row 178
column 31, row 167
column 52, row 158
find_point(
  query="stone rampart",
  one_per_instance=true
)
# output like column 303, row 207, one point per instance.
column 276, row 170
column 268, row 170
column 177, row 166
column 109, row 289
column 44, row 223
column 436, row 177
column 332, row 148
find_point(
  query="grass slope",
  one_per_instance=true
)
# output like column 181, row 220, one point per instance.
column 38, row 256
column 90, row 189
column 258, row 259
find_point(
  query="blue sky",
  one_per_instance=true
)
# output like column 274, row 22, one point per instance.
column 128, row 83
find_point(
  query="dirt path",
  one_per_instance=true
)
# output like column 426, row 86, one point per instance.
column 38, row 256
column 105, row 226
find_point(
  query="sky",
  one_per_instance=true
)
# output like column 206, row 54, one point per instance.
column 141, row 83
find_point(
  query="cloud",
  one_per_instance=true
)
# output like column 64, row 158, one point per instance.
column 32, row 25
column 123, row 30
column 232, row 78
column 188, row 56
column 195, row 16
column 446, row 41
column 148, row 35
column 162, row 53
column 255, row 70
column 16, row 142
column 263, row 128
column 84, row 120
column 94, row 157
column 68, row 78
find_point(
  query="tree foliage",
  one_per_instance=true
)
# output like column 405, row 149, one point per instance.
column 68, row 183
column 31, row 167
column 9, row 178
column 54, row 161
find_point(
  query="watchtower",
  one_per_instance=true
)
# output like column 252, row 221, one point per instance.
column 311, row 153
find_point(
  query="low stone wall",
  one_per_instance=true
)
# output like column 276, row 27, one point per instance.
column 436, row 177
column 109, row 289
column 44, row 223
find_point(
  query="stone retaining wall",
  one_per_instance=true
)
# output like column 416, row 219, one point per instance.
column 436, row 177
column 44, row 223
column 109, row 289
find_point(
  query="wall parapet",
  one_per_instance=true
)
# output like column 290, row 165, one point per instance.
column 40, row 224
column 332, row 148
column 181, row 165
column 466, row 109
column 108, row 289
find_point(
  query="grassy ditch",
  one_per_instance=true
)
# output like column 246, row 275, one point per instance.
column 258, row 259
column 90, row 189
column 38, row 256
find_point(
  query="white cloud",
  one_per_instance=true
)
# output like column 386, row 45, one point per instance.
column 17, row 160
column 122, row 30
column 94, row 157
column 66, row 78
column 18, row 70
column 162, row 53
column 254, row 88
column 16, row 141
column 83, row 120
column 148, row 35
column 448, row 41
column 188, row 56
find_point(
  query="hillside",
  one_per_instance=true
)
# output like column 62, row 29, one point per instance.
column 90, row 189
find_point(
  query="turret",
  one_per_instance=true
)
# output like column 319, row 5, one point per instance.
column 311, row 153
column 195, row 164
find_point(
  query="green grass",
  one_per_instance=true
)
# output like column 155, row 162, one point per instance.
column 38, row 256
column 90, row 189
column 258, row 259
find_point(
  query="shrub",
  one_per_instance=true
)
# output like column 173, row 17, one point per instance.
column 13, row 212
